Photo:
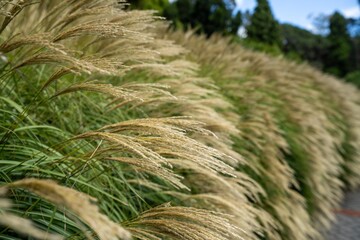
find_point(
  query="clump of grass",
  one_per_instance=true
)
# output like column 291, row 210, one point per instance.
column 183, row 223
column 78, row 203
column 81, row 53
column 273, row 97
column 97, row 103
column 20, row 225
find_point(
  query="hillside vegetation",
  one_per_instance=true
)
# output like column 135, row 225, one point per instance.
column 113, row 128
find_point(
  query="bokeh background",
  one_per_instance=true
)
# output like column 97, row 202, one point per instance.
column 324, row 33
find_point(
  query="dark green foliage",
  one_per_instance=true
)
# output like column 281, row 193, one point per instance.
column 236, row 23
column 306, row 45
column 180, row 13
column 353, row 77
column 337, row 60
column 355, row 52
column 207, row 16
column 263, row 27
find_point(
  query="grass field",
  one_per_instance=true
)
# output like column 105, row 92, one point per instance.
column 112, row 127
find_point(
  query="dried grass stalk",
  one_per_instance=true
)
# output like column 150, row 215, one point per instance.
column 78, row 203
column 271, row 93
column 22, row 226
column 181, row 223
column 153, row 142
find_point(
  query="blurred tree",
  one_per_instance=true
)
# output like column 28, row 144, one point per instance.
column 263, row 27
column 354, row 29
column 304, row 45
column 337, row 60
column 246, row 18
column 207, row 16
column 237, row 22
column 321, row 24
column 184, row 9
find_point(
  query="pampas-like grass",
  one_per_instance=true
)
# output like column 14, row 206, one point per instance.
column 102, row 101
column 199, row 98
column 271, row 92
column 74, row 41
column 183, row 223
column 20, row 225
column 154, row 140
column 82, row 205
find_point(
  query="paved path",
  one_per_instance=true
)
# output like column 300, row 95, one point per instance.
column 347, row 226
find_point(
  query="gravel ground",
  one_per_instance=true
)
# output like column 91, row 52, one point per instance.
column 347, row 226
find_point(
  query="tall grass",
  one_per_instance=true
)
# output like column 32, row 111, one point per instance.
column 111, row 130
column 73, row 111
column 294, row 131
